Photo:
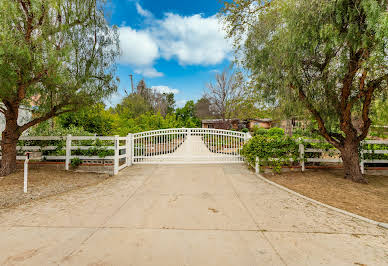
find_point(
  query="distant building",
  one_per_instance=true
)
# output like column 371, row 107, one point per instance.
column 259, row 122
column 236, row 124
column 221, row 124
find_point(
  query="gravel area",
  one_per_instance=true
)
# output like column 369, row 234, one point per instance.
column 329, row 186
column 43, row 182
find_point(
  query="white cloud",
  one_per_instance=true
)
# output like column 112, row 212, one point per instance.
column 143, row 12
column 181, row 103
column 137, row 47
column 139, row 50
column 165, row 89
column 193, row 40
column 149, row 72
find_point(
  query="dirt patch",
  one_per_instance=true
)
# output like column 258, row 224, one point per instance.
column 43, row 182
column 329, row 186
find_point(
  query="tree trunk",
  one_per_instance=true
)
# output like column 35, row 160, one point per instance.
column 9, row 142
column 351, row 162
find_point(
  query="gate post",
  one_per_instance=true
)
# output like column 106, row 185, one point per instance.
column 129, row 149
column 68, row 152
column 301, row 156
column 116, row 158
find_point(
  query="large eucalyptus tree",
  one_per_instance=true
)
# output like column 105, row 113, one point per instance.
column 328, row 55
column 55, row 56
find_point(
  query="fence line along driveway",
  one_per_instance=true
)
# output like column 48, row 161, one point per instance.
column 185, row 215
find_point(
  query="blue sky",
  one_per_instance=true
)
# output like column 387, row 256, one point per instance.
column 174, row 45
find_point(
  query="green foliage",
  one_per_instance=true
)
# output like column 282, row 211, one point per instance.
column 186, row 116
column 56, row 55
column 274, row 150
column 245, row 130
column 259, row 131
column 327, row 57
column 46, row 129
column 133, row 106
column 75, row 162
column 380, row 111
column 94, row 119
column 373, row 148
column 275, row 131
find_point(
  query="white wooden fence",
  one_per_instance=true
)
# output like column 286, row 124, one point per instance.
column 337, row 159
column 120, row 145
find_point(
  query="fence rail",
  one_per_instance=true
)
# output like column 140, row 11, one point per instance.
column 305, row 159
column 121, row 147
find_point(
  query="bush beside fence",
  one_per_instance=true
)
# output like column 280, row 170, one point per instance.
column 279, row 151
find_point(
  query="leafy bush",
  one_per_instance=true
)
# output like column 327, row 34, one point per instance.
column 245, row 130
column 75, row 162
column 267, row 147
column 46, row 129
column 275, row 131
column 260, row 131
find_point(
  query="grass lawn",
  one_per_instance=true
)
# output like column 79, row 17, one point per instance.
column 329, row 186
column 43, row 182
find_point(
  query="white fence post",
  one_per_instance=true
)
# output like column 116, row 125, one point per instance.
column 128, row 151
column 362, row 163
column 116, row 159
column 26, row 172
column 257, row 165
column 301, row 156
column 68, row 151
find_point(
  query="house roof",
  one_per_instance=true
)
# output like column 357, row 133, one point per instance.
column 261, row 119
column 209, row 121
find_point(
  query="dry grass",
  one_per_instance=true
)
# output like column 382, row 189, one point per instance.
column 329, row 186
column 43, row 182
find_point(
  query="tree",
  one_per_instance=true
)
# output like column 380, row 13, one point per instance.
column 330, row 56
column 133, row 106
column 94, row 119
column 202, row 108
column 225, row 93
column 170, row 102
column 160, row 102
column 55, row 56
column 186, row 116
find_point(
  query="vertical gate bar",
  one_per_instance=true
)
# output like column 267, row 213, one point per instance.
column 116, row 158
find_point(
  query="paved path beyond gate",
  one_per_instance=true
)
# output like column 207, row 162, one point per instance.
column 185, row 215
column 188, row 146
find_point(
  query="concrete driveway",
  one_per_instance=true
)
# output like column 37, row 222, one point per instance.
column 185, row 215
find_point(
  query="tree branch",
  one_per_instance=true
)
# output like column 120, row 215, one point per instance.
column 38, row 120
column 367, row 103
column 321, row 124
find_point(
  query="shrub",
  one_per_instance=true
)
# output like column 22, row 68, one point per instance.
column 260, row 131
column 75, row 162
column 268, row 147
column 245, row 130
column 275, row 131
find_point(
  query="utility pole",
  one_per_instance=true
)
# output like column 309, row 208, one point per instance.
column 131, row 81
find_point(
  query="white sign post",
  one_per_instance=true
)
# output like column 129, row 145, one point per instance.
column 26, row 171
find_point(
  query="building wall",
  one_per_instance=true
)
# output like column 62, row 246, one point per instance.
column 259, row 124
column 217, row 125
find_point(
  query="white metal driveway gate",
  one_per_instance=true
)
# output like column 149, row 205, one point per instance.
column 188, row 145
